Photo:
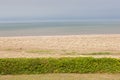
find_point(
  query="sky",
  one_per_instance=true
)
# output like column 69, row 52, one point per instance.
column 59, row 9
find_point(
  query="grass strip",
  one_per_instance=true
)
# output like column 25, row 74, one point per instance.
column 59, row 65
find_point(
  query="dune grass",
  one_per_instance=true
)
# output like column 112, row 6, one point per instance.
column 67, row 52
column 39, row 51
column 98, row 53
column 59, row 65
column 101, row 53
column 62, row 52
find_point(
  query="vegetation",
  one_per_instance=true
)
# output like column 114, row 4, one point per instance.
column 59, row 65
column 101, row 53
column 39, row 51
column 71, row 53
column 63, row 52
column 98, row 53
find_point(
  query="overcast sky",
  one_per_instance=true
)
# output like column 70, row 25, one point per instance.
column 59, row 9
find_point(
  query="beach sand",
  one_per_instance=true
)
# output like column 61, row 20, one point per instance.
column 60, row 46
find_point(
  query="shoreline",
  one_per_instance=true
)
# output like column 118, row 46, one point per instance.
column 66, row 35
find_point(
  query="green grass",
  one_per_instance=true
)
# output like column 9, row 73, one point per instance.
column 66, row 52
column 94, row 53
column 71, row 53
column 62, row 77
column 39, row 51
column 13, row 49
column 101, row 53
column 63, row 52
column 98, row 53
column 59, row 65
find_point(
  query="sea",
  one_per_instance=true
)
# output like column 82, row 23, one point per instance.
column 58, row 28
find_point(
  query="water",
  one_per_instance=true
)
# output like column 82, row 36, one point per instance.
column 58, row 28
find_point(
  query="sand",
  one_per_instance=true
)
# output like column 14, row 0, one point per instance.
column 18, row 46
column 62, row 76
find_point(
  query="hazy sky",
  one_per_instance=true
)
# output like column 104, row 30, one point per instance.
column 59, row 9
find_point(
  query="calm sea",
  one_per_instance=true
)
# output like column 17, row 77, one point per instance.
column 58, row 28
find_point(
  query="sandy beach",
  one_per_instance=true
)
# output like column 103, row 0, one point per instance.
column 56, row 46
